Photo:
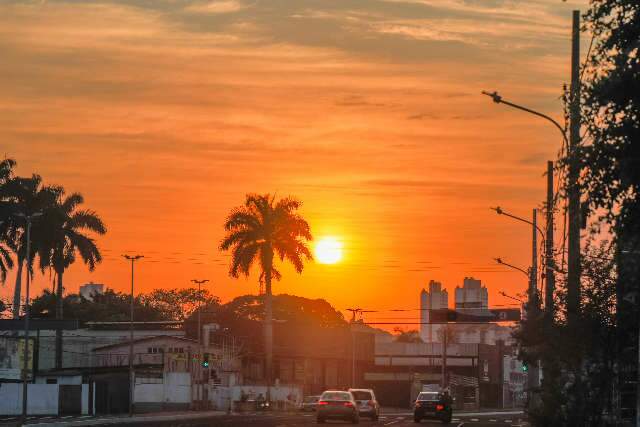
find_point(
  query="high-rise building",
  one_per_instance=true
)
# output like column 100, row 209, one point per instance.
column 472, row 295
column 89, row 289
column 435, row 298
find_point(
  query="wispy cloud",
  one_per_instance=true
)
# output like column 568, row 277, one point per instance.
column 215, row 7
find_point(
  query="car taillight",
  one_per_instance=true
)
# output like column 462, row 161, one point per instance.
column 348, row 404
column 322, row 402
column 439, row 407
column 370, row 403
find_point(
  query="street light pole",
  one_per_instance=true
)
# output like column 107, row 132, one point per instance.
column 200, row 357
column 133, row 259
column 27, row 313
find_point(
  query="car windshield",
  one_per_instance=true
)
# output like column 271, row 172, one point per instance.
column 336, row 395
column 429, row 397
column 361, row 395
column 310, row 399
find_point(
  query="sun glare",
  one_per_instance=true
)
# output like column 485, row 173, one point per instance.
column 328, row 250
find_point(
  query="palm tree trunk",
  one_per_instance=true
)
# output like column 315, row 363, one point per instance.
column 59, row 315
column 17, row 290
column 268, row 332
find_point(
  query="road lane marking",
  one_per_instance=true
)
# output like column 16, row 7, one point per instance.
column 507, row 421
column 493, row 420
column 475, row 420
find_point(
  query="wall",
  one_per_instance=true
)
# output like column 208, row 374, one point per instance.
column 219, row 396
column 43, row 399
column 78, row 345
column 171, row 391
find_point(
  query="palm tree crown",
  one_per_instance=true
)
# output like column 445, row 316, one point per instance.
column 68, row 234
column 263, row 227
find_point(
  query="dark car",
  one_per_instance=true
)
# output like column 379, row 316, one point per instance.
column 366, row 402
column 337, row 405
column 433, row 405
column 309, row 403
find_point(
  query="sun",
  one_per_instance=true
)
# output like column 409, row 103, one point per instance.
column 328, row 250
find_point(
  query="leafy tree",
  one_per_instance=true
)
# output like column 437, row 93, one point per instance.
column 259, row 230
column 110, row 306
column 179, row 304
column 411, row 336
column 611, row 160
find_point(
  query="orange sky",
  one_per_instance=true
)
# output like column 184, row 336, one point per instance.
column 164, row 114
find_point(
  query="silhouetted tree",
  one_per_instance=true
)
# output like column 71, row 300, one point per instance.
column 259, row 230
column 179, row 304
column 27, row 196
column 68, row 235
column 411, row 336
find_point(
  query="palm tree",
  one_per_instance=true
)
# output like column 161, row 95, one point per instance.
column 65, row 238
column 6, row 261
column 25, row 196
column 258, row 230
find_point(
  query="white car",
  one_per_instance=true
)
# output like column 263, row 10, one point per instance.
column 366, row 401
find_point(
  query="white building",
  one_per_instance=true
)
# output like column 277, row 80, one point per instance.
column 472, row 295
column 89, row 289
column 471, row 298
column 435, row 298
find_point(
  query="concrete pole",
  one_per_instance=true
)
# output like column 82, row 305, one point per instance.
column 573, row 278
column 133, row 259
column 25, row 355
column 131, row 375
column 550, row 277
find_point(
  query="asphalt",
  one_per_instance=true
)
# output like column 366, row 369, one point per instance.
column 261, row 419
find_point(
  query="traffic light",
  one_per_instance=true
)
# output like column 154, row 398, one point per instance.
column 205, row 360
column 525, row 367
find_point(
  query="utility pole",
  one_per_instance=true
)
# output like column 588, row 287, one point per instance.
column 550, row 277
column 445, row 332
column 200, row 356
column 573, row 277
column 533, row 377
column 27, row 313
column 133, row 259
column 354, row 312
column 533, row 284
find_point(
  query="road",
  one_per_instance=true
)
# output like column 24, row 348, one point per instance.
column 396, row 419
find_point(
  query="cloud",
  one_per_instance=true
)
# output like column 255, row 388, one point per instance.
column 216, row 7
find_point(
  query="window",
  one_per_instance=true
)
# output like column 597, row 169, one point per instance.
column 429, row 396
column 362, row 395
column 336, row 395
column 52, row 381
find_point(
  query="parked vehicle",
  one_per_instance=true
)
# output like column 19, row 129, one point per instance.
column 336, row 404
column 309, row 403
column 433, row 405
column 366, row 402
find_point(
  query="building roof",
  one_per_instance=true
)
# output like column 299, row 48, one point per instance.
column 139, row 340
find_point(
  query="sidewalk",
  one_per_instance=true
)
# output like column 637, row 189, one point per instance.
column 87, row 420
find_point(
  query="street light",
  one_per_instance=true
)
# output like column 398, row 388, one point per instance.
column 501, row 211
column 27, row 313
column 200, row 359
column 574, row 201
column 499, row 100
column 523, row 271
column 509, row 296
column 133, row 259
column 533, row 272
